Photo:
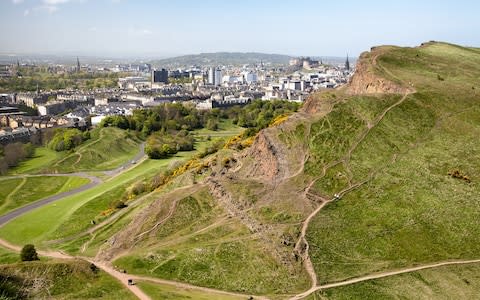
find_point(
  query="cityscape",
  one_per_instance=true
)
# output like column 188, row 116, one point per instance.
column 146, row 86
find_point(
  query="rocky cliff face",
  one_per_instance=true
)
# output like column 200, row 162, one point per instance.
column 366, row 81
column 265, row 157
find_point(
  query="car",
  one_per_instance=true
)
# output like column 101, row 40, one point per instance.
column 130, row 282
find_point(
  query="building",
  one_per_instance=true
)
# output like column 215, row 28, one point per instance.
column 56, row 107
column 31, row 99
column 228, row 101
column 214, row 76
column 132, row 82
column 159, row 76
column 347, row 64
column 105, row 100
column 250, row 77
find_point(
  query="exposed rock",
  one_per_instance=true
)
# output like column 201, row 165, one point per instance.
column 266, row 158
column 366, row 81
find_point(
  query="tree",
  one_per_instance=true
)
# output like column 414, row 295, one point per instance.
column 29, row 253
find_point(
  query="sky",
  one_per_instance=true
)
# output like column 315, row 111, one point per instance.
column 164, row 28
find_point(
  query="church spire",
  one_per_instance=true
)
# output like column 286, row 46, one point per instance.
column 78, row 65
column 347, row 64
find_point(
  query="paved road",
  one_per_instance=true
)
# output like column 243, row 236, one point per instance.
column 24, row 209
column 130, row 162
column 94, row 181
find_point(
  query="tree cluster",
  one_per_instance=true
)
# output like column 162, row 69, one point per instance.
column 12, row 154
column 28, row 253
column 67, row 139
column 163, row 144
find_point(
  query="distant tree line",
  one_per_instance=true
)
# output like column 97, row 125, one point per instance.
column 27, row 79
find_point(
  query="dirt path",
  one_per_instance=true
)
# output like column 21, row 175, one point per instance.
column 15, row 190
column 302, row 245
column 123, row 277
column 383, row 275
column 375, row 123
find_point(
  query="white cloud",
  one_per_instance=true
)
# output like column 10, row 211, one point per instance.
column 26, row 12
column 17, row 1
column 92, row 29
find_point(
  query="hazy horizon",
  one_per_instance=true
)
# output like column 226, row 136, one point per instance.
column 161, row 29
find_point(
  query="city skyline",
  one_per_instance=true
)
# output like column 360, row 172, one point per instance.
column 163, row 29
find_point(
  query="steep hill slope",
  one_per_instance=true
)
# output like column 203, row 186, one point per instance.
column 376, row 176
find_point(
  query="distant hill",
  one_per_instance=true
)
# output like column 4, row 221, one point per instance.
column 223, row 58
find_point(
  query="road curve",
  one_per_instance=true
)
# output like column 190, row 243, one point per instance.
column 29, row 207
column 94, row 181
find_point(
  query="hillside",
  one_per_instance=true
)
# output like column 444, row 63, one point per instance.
column 107, row 149
column 397, row 146
column 223, row 58
column 58, row 280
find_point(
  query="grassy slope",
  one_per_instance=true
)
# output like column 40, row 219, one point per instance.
column 109, row 148
column 411, row 211
column 59, row 280
column 8, row 257
column 199, row 245
column 449, row 282
column 19, row 192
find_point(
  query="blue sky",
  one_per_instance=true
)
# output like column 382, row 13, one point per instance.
column 165, row 28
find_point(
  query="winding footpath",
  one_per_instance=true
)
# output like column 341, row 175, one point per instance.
column 383, row 275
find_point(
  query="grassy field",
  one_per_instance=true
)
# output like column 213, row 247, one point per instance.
column 449, row 282
column 8, row 257
column 168, row 292
column 59, row 280
column 42, row 158
column 18, row 192
column 410, row 211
